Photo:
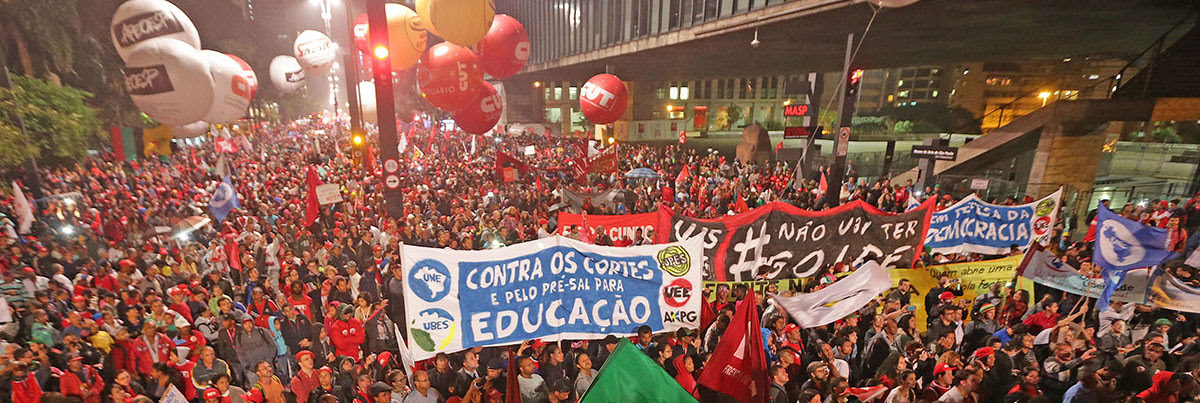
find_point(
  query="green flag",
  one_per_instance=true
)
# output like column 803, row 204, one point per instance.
column 631, row 376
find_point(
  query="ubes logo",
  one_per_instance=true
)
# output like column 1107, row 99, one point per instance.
column 678, row 293
column 433, row 329
column 145, row 26
column 148, row 80
column 429, row 280
column 675, row 260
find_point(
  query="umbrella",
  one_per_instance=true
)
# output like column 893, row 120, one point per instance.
column 190, row 224
column 641, row 173
column 558, row 206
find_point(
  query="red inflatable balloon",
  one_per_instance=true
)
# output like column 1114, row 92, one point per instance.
column 362, row 37
column 505, row 49
column 449, row 76
column 603, row 99
column 481, row 115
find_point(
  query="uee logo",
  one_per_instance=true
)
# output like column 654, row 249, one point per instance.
column 678, row 293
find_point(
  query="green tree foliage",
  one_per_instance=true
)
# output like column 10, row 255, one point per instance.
column 60, row 126
column 934, row 117
column 869, row 125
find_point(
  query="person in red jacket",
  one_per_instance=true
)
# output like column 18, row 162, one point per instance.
column 25, row 388
column 346, row 332
column 81, row 380
column 124, row 352
column 178, row 359
column 150, row 348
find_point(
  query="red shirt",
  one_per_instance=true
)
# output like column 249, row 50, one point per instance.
column 1041, row 321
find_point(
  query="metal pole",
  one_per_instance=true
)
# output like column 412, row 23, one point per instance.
column 351, row 67
column 837, row 172
column 32, row 180
column 385, row 107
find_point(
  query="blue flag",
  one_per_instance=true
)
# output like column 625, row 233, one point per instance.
column 1122, row 245
column 224, row 200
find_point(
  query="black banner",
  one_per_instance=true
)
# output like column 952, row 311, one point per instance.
column 779, row 240
column 935, row 152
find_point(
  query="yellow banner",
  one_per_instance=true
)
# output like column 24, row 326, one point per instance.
column 974, row 278
column 786, row 284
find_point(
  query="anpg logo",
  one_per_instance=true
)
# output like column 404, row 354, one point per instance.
column 674, row 260
column 433, row 329
column 429, row 280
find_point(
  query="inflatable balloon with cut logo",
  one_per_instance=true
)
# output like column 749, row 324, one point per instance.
column 462, row 22
column 286, row 74
column 169, row 81
column 366, row 97
column 233, row 87
column 314, row 51
column 138, row 21
column 362, row 33
column 505, row 49
column 406, row 36
column 449, row 76
column 603, row 99
column 194, row 129
column 483, row 113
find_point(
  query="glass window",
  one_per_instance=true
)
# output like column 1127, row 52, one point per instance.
column 546, row 90
column 558, row 92
column 683, row 93
column 554, row 115
column 674, row 93
column 935, row 93
column 573, row 92
column 660, row 93
column 673, row 21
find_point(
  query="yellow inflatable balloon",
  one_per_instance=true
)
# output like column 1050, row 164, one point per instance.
column 157, row 140
column 406, row 36
column 462, row 22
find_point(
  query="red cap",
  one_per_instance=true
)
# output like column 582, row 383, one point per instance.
column 984, row 352
column 304, row 353
column 79, row 298
column 789, row 328
column 29, row 270
column 212, row 393
column 326, row 370
column 378, row 248
column 946, row 296
column 942, row 367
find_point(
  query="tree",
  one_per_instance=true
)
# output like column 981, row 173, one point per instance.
column 934, row 117
column 60, row 126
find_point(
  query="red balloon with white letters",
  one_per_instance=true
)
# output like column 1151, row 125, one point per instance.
column 449, row 76
column 362, row 34
column 482, row 115
column 505, row 49
column 603, row 99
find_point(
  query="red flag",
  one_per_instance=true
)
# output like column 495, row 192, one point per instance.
column 507, row 161
column 224, row 145
column 683, row 175
column 512, row 387
column 779, row 146
column 538, row 185
column 824, row 186
column 682, row 137
column 740, row 206
column 234, row 253
column 313, row 208
column 738, row 366
column 668, row 195
column 369, row 159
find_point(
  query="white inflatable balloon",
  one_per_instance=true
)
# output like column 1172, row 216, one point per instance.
column 194, row 129
column 232, row 91
column 248, row 72
column 286, row 74
column 169, row 81
column 138, row 21
column 366, row 98
column 894, row 3
column 315, row 51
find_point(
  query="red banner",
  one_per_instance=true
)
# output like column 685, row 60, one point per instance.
column 616, row 226
column 605, row 161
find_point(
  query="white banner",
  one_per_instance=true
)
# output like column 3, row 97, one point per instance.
column 329, row 193
column 1171, row 292
column 834, row 302
column 552, row 288
column 1044, row 268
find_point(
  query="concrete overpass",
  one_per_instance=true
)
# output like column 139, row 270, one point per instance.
column 809, row 35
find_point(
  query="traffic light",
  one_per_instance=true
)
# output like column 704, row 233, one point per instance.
column 381, row 52
column 852, row 82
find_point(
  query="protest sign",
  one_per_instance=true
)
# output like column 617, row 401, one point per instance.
column 552, row 288
column 975, row 226
column 608, row 198
column 616, row 226
column 329, row 193
column 1042, row 267
column 1178, row 290
column 834, row 302
column 778, row 240
column 974, row 277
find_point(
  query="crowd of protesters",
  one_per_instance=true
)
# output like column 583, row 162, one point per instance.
column 121, row 290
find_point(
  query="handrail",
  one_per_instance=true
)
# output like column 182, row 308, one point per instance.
column 1157, row 44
